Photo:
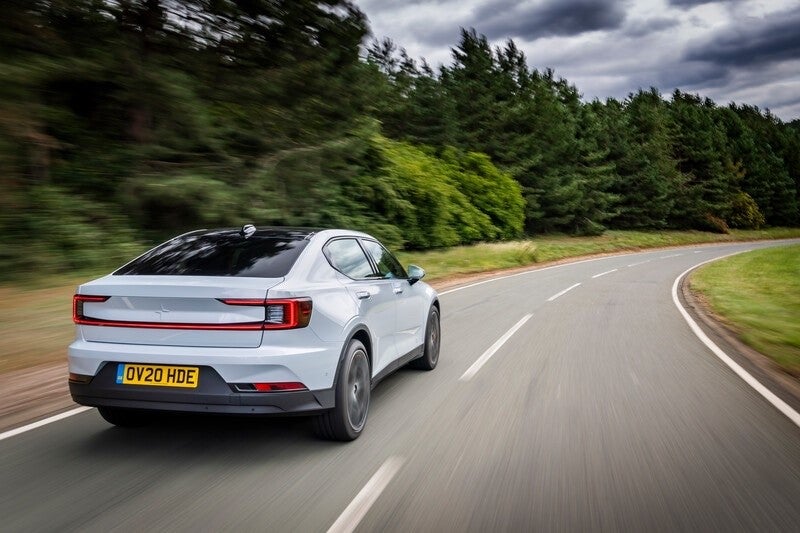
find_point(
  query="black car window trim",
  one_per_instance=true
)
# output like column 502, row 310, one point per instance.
column 325, row 252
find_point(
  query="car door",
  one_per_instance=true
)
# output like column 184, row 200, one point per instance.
column 374, row 295
column 410, row 299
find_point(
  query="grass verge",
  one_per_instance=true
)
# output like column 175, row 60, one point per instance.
column 758, row 295
column 494, row 256
column 35, row 315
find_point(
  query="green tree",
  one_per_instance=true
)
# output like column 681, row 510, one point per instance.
column 703, row 157
column 639, row 134
column 766, row 152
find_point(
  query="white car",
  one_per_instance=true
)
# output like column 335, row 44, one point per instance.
column 252, row 321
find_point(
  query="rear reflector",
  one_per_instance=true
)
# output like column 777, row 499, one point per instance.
column 79, row 378
column 285, row 386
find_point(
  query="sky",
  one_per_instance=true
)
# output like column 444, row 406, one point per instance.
column 746, row 51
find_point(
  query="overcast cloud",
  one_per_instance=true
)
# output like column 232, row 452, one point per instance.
column 746, row 51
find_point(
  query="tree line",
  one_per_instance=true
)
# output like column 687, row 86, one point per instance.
column 126, row 121
column 643, row 162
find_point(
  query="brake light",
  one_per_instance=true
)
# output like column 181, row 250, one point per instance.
column 286, row 313
column 77, row 305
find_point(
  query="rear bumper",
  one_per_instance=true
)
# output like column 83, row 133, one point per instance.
column 311, row 362
column 213, row 395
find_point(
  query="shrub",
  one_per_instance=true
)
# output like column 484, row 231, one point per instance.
column 744, row 213
column 715, row 224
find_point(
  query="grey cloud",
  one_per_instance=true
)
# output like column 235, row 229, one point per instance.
column 694, row 75
column 693, row 3
column 641, row 28
column 509, row 19
column 772, row 39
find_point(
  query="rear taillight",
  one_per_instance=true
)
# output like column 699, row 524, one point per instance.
column 288, row 313
column 77, row 306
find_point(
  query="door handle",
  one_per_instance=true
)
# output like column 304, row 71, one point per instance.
column 363, row 295
column 397, row 289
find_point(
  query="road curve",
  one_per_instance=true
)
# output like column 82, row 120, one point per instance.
column 599, row 410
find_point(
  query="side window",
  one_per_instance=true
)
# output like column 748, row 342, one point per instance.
column 347, row 257
column 388, row 265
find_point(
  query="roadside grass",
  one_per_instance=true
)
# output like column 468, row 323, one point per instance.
column 758, row 294
column 36, row 316
column 36, row 323
column 494, row 256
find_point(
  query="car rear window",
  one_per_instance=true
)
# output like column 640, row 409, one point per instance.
column 220, row 254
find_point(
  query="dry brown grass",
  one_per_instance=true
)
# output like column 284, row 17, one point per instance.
column 35, row 325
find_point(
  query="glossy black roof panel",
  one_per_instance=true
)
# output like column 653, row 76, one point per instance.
column 265, row 253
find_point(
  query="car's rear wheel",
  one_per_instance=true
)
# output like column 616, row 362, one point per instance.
column 347, row 419
column 433, row 340
column 122, row 417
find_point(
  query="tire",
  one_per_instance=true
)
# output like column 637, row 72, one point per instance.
column 347, row 419
column 433, row 341
column 126, row 418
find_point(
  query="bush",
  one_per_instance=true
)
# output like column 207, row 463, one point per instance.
column 588, row 228
column 493, row 192
column 715, row 224
column 420, row 195
column 745, row 213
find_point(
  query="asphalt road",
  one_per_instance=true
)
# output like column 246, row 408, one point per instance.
column 602, row 411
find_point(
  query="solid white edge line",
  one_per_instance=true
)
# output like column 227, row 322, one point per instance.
column 472, row 370
column 604, row 273
column 779, row 404
column 361, row 504
column 44, row 422
column 562, row 293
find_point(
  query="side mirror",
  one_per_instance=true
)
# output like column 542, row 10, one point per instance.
column 415, row 274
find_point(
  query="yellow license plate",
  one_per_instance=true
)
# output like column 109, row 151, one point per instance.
column 158, row 375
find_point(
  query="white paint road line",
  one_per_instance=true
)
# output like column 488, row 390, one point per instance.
column 471, row 371
column 562, row 293
column 779, row 404
column 533, row 270
column 670, row 256
column 604, row 273
column 40, row 423
column 639, row 263
column 361, row 504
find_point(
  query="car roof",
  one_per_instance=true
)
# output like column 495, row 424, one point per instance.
column 282, row 232
column 278, row 232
